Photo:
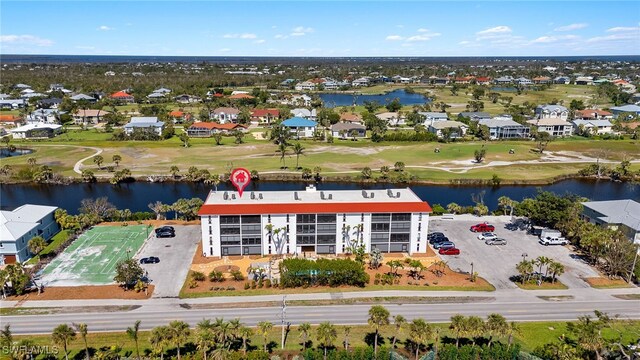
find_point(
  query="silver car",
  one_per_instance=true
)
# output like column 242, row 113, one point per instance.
column 444, row 245
column 496, row 241
column 487, row 236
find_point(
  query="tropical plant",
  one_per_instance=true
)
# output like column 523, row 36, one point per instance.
column 298, row 150
column 347, row 332
column 496, row 325
column 62, row 335
column 304, row 330
column 116, row 159
column 264, row 327
column 457, row 326
column 244, row 333
column 161, row 336
column 326, row 334
column 420, row 332
column 366, row 173
column 36, row 244
column 132, row 333
column 282, row 150
column 174, row 171
column 398, row 166
column 398, row 322
column 556, row 269
column 375, row 258
column 378, row 317
column 98, row 160
column 82, row 329
column 179, row 334
column 205, row 337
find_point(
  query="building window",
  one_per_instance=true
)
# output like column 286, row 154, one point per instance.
column 287, row 239
column 420, row 227
column 268, row 218
column 418, row 247
column 270, row 238
column 269, row 250
column 210, row 230
column 287, row 219
column 287, row 227
column 287, row 249
column 211, row 251
column 420, row 217
column 344, row 217
column 209, row 219
column 210, row 240
column 361, row 217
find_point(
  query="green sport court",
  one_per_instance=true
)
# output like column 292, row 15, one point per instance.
column 92, row 258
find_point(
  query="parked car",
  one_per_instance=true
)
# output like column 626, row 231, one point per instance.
column 444, row 245
column 484, row 227
column 487, row 236
column 449, row 251
column 438, row 240
column 150, row 260
column 165, row 234
column 434, row 235
column 496, row 241
column 553, row 241
column 165, row 229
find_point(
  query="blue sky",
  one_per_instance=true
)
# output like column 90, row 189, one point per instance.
column 314, row 28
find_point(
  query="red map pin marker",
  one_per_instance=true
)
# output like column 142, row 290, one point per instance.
column 240, row 178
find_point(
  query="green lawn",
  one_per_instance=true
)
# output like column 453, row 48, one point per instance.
column 530, row 336
column 55, row 243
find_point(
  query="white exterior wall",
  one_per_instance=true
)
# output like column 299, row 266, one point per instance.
column 419, row 237
column 214, row 237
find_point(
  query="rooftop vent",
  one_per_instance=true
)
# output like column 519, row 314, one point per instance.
column 398, row 194
column 322, row 195
column 260, row 196
column 225, row 196
column 311, row 188
column 233, row 196
column 295, row 195
column 253, row 196
column 330, row 196
column 373, row 194
column 390, row 193
column 364, row 194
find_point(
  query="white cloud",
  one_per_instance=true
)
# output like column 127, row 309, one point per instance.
column 280, row 36
column 104, row 28
column 623, row 29
column 261, row 41
column 301, row 31
column 422, row 30
column 85, row 47
column 423, row 37
column 224, row 50
column 394, row 38
column 552, row 39
column 571, row 27
column 614, row 37
column 25, row 39
column 239, row 36
column 464, row 42
column 494, row 32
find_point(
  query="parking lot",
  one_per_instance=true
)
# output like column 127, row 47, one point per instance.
column 175, row 256
column 496, row 263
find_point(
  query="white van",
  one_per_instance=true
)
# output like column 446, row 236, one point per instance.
column 549, row 240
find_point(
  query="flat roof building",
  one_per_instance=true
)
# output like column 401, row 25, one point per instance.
column 313, row 221
column 17, row 227
column 623, row 215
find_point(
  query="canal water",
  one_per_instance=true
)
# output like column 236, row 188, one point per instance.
column 136, row 196
column 332, row 100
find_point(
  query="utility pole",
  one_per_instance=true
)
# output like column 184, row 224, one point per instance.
column 633, row 267
column 282, row 319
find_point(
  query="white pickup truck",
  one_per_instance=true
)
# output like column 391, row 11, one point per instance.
column 552, row 237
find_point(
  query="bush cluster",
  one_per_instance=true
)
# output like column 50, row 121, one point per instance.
column 324, row 272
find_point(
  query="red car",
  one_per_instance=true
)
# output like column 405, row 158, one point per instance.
column 484, row 227
column 449, row 251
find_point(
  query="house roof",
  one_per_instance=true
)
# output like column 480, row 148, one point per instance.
column 347, row 126
column 14, row 224
column 627, row 108
column 226, row 110
column 625, row 212
column 90, row 113
column 474, row 114
column 310, row 202
column 144, row 121
column 591, row 113
column 120, row 94
column 302, row 112
column 434, row 115
column 35, row 126
column 350, row 117
column 265, row 112
column 551, row 108
column 213, row 125
column 483, row 79
column 241, row 96
column 388, row 115
column 82, row 97
column 499, row 122
column 439, row 125
column 156, row 95
column 10, row 118
column 597, row 123
column 548, row 122
column 299, row 122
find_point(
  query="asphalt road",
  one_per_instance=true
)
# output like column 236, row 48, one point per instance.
column 338, row 314
column 175, row 259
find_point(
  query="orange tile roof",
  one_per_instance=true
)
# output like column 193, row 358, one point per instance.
column 218, row 95
column 120, row 94
column 265, row 112
column 176, row 113
column 350, row 117
column 589, row 113
column 311, row 208
column 10, row 118
column 241, row 96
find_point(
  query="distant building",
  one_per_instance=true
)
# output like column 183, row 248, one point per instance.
column 150, row 122
column 475, row 115
column 623, row 215
column 505, row 128
column 17, row 227
column 36, row 131
column 617, row 110
column 207, row 129
column 122, row 96
column 592, row 114
column 552, row 111
column 344, row 130
column 553, row 126
column 264, row 116
column 305, row 113
column 432, row 117
column 300, row 127
column 596, row 127
column 88, row 116
column 458, row 129
column 225, row 114
column 392, row 118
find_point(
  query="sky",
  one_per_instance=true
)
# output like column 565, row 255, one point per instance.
column 320, row 28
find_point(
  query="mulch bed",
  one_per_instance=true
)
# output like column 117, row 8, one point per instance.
column 84, row 293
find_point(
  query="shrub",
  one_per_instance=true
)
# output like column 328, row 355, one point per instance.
column 267, row 283
column 197, row 276
column 246, row 286
column 216, row 276
column 324, row 272
column 231, row 288
column 237, row 275
column 253, row 284
column 193, row 283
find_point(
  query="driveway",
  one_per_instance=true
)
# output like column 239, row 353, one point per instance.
column 498, row 262
column 175, row 255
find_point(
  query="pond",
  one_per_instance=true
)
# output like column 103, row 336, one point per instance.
column 4, row 152
column 333, row 99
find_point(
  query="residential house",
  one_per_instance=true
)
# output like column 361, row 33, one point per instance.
column 503, row 80
column 298, row 100
column 300, row 127
column 392, row 118
column 36, row 131
column 305, row 86
column 592, row 114
column 596, row 127
column 48, row 116
column 242, row 96
column 187, row 99
column 562, row 80
column 623, row 215
column 584, row 80
column 162, row 90
column 88, row 116
column 225, row 114
column 144, row 122
column 11, row 120
column 32, row 95
column 431, row 117
column 464, row 80
column 22, row 86
column 156, row 97
column 361, row 82
column 504, row 128
column 436, row 80
column 123, row 97
column 542, row 80
column 483, row 80
column 304, row 113
column 345, row 130
column 458, row 129
column 50, row 103
column 474, row 115
column 552, row 111
column 287, row 82
column 179, row 116
column 523, row 81
column 350, row 117
column 617, row 110
column 19, row 226
column 12, row 104
column 554, row 126
column 264, row 116
column 207, row 129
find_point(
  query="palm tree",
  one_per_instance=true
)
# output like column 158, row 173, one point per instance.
column 347, row 332
column 116, row 159
column 366, row 173
column 213, row 179
column 222, row 332
column 132, row 333
column 512, row 329
column 525, row 268
column 179, row 333
column 542, row 261
column 6, row 337
column 36, row 244
column 474, row 327
column 327, row 334
column 282, row 149
column 204, row 336
column 457, row 326
column 61, row 336
column 378, row 317
column 81, row 328
column 398, row 321
column 161, row 336
column 298, row 150
column 245, row 333
column 264, row 327
column 496, row 325
column 220, row 354
column 304, row 329
column 174, row 171
column 31, row 161
column 420, row 332
column 98, row 160
column 556, row 269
